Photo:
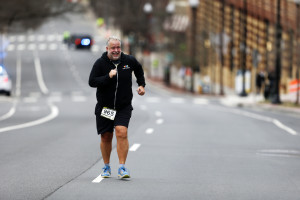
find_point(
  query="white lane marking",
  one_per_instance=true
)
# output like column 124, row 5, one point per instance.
column 50, row 38
column 9, row 114
column 98, row 179
column 78, row 98
column 282, row 126
column 279, row 152
column 29, row 99
column 31, row 47
column 35, row 94
column 153, row 99
column 55, row 98
column 41, row 38
column 56, row 93
column 158, row 114
column 149, row 130
column 176, row 100
column 143, row 107
column 159, row 121
column 42, row 46
column 53, row 46
column 18, row 79
column 76, row 93
column 39, row 74
column 266, row 119
column 21, row 47
column 12, row 38
column 54, row 113
column 11, row 47
column 200, row 101
column 134, row 147
column 31, row 38
column 21, row 38
column 59, row 38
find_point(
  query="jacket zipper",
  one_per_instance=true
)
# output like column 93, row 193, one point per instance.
column 116, row 87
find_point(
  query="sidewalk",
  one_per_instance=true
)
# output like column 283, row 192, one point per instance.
column 231, row 100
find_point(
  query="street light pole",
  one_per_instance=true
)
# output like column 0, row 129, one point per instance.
column 243, row 49
column 298, row 48
column 148, row 10
column 276, row 97
column 194, row 5
column 221, row 47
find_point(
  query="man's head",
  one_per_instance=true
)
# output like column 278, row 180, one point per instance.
column 113, row 48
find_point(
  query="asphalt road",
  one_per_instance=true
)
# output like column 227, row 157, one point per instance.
column 181, row 146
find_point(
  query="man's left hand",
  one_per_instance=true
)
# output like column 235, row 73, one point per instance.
column 141, row 90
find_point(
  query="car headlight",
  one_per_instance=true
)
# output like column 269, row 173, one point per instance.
column 85, row 42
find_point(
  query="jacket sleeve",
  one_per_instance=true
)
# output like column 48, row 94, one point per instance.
column 97, row 78
column 139, row 73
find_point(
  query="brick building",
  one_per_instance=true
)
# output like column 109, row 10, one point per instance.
column 249, row 40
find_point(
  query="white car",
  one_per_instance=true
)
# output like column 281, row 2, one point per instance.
column 5, row 82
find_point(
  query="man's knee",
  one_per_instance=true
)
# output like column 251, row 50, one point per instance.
column 121, row 131
column 106, row 137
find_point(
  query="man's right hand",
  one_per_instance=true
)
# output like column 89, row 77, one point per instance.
column 112, row 73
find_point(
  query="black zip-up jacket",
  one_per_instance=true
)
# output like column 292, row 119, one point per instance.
column 107, row 87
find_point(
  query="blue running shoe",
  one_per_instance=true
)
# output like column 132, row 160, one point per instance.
column 106, row 172
column 123, row 172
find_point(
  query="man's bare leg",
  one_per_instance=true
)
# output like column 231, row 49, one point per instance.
column 106, row 146
column 122, row 143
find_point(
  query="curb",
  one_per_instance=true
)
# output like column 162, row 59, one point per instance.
column 229, row 100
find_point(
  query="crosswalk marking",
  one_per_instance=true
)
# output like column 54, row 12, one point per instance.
column 21, row 47
column 31, row 38
column 40, row 42
column 32, row 47
column 21, row 38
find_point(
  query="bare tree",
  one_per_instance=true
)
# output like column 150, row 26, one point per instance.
column 30, row 13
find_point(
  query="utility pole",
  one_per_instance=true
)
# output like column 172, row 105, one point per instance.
column 298, row 48
column 221, row 47
column 243, row 49
column 194, row 5
column 276, row 95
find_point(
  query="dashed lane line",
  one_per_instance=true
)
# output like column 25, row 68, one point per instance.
column 158, row 113
column 159, row 121
column 98, row 179
column 134, row 147
column 149, row 131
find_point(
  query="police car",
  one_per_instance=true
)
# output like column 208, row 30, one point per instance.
column 5, row 81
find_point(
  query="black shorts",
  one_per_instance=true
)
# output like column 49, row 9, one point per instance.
column 122, row 119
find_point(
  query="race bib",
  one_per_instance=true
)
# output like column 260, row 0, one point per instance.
column 108, row 113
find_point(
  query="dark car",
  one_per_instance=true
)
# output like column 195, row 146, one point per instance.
column 80, row 41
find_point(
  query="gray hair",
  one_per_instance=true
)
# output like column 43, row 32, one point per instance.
column 113, row 38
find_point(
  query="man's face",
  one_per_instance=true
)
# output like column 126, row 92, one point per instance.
column 114, row 49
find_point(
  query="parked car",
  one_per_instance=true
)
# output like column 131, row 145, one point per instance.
column 80, row 41
column 5, row 81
